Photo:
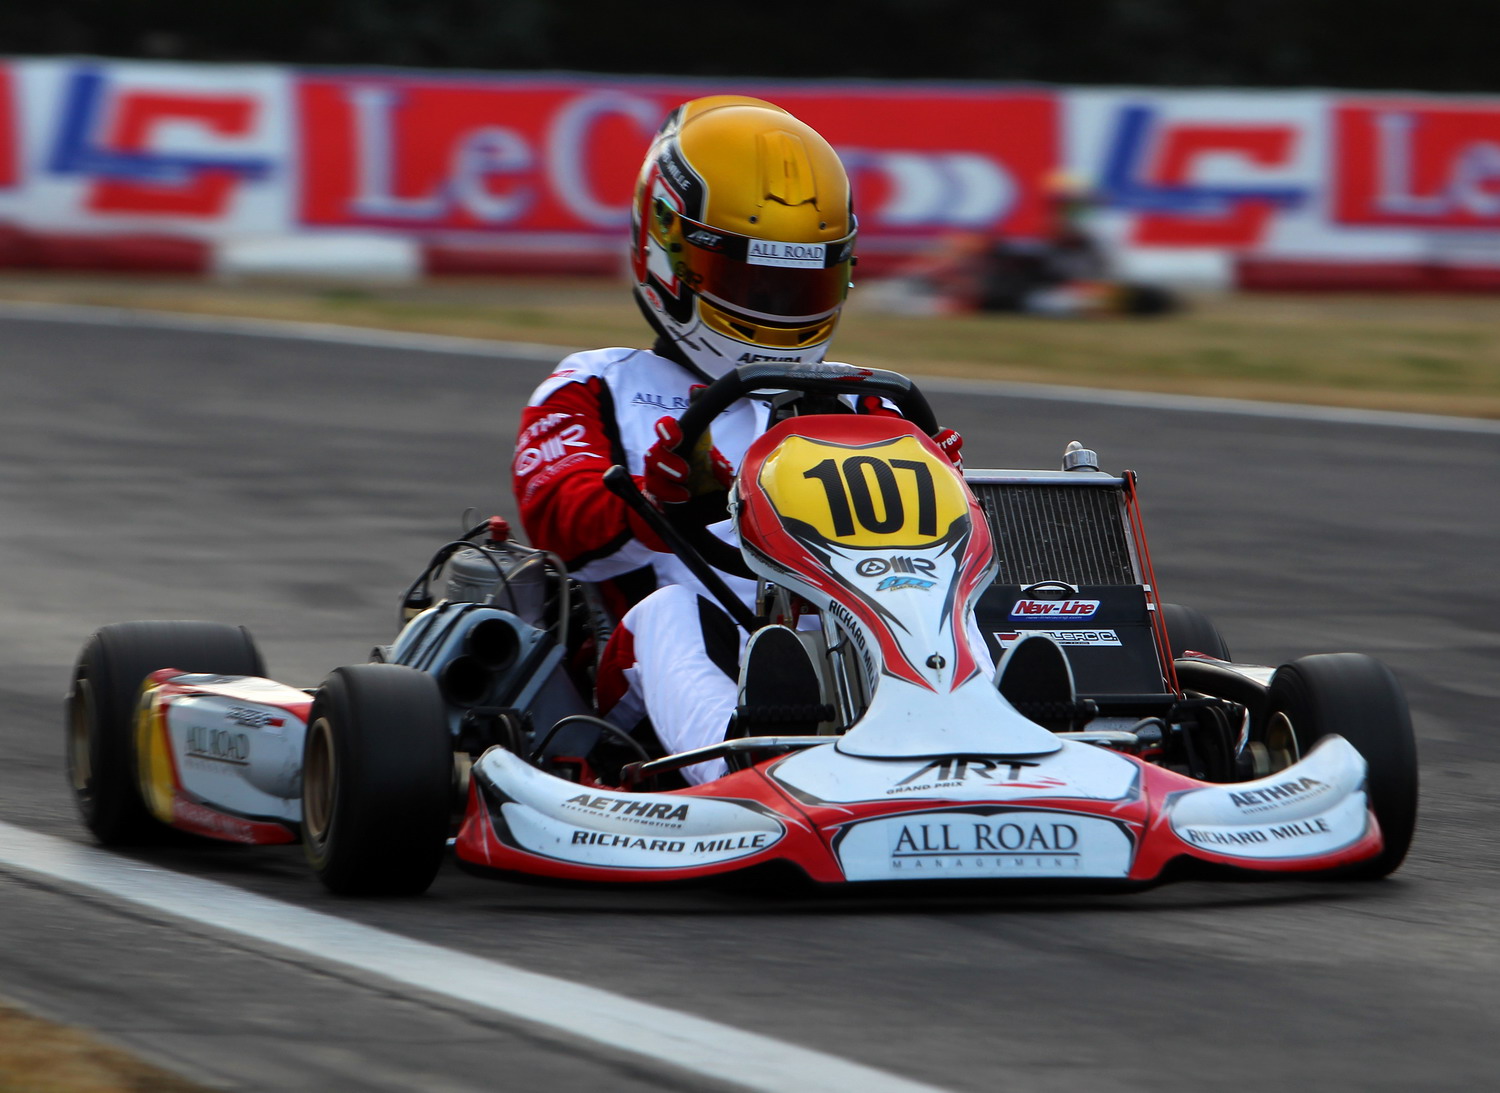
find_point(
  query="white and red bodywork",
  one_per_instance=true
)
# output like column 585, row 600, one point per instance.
column 1081, row 812
column 221, row 756
column 941, row 778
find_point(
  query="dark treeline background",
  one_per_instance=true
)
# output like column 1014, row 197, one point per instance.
column 1441, row 45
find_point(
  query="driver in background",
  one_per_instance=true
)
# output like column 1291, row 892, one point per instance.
column 742, row 245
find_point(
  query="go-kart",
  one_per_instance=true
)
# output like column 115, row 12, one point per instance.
column 1117, row 741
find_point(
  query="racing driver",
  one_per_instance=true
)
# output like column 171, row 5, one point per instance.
column 742, row 243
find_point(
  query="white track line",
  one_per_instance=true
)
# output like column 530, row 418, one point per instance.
column 712, row 1050
column 550, row 354
column 88, row 315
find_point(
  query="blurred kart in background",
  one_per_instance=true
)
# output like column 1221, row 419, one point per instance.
column 1066, row 271
column 1117, row 741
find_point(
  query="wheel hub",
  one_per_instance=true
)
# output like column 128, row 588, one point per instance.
column 319, row 777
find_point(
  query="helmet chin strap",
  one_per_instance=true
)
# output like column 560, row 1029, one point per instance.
column 708, row 356
column 681, row 349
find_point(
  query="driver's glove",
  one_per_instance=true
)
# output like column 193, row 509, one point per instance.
column 670, row 480
column 951, row 445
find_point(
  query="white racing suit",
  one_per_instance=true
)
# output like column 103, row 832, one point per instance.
column 674, row 656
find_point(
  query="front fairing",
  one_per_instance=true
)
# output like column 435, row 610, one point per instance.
column 1079, row 812
column 863, row 517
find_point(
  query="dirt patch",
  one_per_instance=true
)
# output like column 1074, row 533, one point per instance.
column 37, row 1056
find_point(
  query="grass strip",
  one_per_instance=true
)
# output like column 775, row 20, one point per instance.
column 1417, row 353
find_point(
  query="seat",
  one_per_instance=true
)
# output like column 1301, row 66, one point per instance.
column 1035, row 677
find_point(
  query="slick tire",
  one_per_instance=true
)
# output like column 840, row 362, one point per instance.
column 1189, row 628
column 1358, row 698
column 100, row 709
column 377, row 775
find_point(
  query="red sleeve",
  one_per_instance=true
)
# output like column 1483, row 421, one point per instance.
column 562, row 451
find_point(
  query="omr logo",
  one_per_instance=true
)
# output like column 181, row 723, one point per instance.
column 1150, row 165
column 106, row 134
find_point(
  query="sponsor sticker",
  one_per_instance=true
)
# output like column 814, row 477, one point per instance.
column 1252, row 836
column 1003, row 843
column 218, row 745
column 959, row 772
column 1007, row 638
column 1342, row 824
column 205, row 820
column 748, row 843
column 653, row 813
column 762, row 358
column 660, row 401
column 825, row 775
column 254, row 719
column 1275, row 796
column 767, row 252
column 878, row 567
column 551, row 443
column 1058, row 609
column 724, row 832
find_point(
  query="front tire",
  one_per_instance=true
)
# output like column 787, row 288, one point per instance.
column 1357, row 697
column 101, row 708
column 377, row 774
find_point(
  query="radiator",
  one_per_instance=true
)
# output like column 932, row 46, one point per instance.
column 1070, row 533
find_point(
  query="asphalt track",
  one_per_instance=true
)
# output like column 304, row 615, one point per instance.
column 295, row 485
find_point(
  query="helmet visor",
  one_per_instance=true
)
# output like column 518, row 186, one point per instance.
column 764, row 279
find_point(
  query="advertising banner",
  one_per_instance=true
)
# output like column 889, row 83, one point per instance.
column 196, row 150
column 1308, row 189
column 346, row 169
column 1185, row 181
column 558, row 159
column 1430, row 165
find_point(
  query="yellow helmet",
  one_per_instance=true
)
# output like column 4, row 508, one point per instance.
column 742, row 234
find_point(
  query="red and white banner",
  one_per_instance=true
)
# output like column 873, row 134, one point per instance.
column 1305, row 189
column 178, row 166
column 557, row 159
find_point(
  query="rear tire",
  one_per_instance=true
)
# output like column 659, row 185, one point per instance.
column 377, row 777
column 1189, row 628
column 1358, row 698
column 101, row 707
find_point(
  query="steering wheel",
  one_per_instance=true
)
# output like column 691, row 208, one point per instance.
column 830, row 379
